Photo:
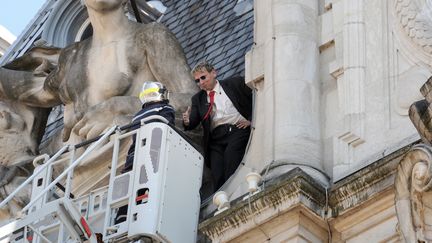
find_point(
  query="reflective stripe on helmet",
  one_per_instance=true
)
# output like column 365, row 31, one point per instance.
column 148, row 91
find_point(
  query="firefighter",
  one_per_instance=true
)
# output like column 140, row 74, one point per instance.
column 154, row 97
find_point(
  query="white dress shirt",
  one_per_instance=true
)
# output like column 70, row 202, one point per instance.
column 223, row 111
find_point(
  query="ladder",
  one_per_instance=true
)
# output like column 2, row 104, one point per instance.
column 63, row 216
column 161, row 193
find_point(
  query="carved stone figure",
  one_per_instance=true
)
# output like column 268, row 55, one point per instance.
column 414, row 21
column 413, row 194
column 21, row 129
column 420, row 113
column 98, row 79
column 413, row 183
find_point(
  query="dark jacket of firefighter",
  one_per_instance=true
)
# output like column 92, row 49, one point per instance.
column 161, row 108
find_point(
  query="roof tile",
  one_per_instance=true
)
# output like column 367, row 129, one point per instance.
column 210, row 29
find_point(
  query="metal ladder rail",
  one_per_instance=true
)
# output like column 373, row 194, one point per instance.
column 92, row 207
column 67, row 214
column 49, row 174
column 67, row 195
column 68, row 171
column 26, row 182
column 70, row 168
column 67, row 191
column 18, row 224
column 113, row 176
column 60, row 152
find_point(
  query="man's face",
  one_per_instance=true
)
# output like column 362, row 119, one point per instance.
column 205, row 80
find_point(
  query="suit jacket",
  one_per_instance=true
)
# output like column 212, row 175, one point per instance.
column 239, row 94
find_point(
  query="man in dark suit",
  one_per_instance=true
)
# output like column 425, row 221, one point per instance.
column 224, row 108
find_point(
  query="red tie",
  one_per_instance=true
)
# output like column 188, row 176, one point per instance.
column 211, row 95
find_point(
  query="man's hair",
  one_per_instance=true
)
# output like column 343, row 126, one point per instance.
column 204, row 65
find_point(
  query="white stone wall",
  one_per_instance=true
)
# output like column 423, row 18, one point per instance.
column 287, row 111
column 373, row 82
column 372, row 61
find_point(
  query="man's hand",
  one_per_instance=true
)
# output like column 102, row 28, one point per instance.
column 186, row 115
column 243, row 124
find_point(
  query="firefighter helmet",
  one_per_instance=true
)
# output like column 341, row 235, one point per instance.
column 153, row 92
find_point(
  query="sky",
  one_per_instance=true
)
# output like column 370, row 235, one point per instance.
column 16, row 14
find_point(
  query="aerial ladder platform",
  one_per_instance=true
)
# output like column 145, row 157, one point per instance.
column 161, row 193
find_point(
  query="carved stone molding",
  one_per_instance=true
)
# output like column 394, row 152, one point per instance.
column 413, row 26
column 413, row 194
column 280, row 195
column 64, row 23
column 365, row 184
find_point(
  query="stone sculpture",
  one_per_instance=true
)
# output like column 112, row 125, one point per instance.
column 413, row 183
column 97, row 80
column 414, row 21
column 21, row 126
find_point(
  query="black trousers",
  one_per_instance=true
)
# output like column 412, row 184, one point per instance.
column 226, row 147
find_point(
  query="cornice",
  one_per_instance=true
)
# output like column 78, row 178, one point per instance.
column 366, row 183
column 278, row 196
column 297, row 189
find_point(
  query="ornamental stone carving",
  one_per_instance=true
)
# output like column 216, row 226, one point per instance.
column 21, row 127
column 414, row 28
column 413, row 197
column 413, row 183
column 420, row 113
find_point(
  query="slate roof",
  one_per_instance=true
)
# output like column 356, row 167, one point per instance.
column 211, row 30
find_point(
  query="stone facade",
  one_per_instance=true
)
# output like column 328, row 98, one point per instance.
column 333, row 81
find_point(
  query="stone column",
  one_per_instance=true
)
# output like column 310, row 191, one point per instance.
column 283, row 67
column 351, row 83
